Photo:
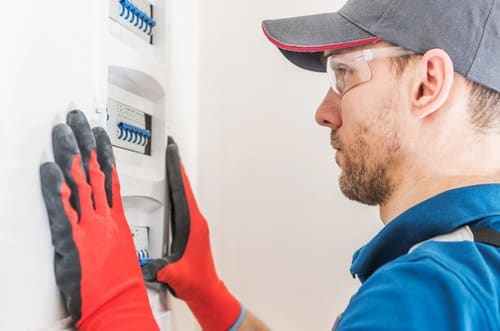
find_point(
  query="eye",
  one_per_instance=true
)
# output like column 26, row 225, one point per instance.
column 341, row 69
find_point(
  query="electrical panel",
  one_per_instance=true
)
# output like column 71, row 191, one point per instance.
column 141, row 241
column 129, row 128
column 134, row 15
column 135, row 120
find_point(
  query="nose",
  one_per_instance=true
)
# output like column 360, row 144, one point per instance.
column 328, row 113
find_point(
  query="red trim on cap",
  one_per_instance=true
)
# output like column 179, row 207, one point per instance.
column 296, row 48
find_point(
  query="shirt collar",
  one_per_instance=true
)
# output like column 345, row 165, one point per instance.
column 436, row 216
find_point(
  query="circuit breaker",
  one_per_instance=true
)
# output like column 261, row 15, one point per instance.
column 134, row 15
column 129, row 128
column 141, row 241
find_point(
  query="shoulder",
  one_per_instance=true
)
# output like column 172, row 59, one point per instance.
column 433, row 288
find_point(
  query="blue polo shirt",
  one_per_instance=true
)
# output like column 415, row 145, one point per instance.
column 416, row 276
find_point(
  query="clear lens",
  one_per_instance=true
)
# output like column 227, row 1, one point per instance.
column 350, row 69
column 344, row 74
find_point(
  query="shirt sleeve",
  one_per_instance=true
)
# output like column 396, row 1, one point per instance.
column 417, row 293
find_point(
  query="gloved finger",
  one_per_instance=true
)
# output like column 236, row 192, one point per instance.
column 151, row 269
column 62, row 218
column 178, row 202
column 106, row 160
column 67, row 156
column 87, row 146
column 84, row 137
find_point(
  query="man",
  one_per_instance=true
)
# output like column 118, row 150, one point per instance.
column 414, row 114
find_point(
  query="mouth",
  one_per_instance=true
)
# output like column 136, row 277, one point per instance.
column 335, row 143
column 335, row 147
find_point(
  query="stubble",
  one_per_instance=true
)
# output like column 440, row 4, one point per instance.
column 369, row 160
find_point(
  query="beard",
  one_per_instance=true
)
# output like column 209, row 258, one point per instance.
column 368, row 162
column 368, row 184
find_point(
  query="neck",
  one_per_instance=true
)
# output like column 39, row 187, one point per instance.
column 414, row 191
column 466, row 161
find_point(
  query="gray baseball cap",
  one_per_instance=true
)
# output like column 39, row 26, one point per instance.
column 468, row 30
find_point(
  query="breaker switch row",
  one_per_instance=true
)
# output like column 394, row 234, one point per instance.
column 133, row 134
column 137, row 17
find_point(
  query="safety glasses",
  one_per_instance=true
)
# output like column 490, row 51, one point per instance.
column 350, row 69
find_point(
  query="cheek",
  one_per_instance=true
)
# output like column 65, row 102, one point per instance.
column 369, row 141
column 359, row 106
column 356, row 117
column 350, row 117
column 370, row 122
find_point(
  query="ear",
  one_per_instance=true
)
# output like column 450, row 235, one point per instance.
column 433, row 84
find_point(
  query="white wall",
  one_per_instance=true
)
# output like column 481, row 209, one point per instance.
column 283, row 235
column 49, row 64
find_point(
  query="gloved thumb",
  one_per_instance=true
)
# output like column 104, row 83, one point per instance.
column 151, row 269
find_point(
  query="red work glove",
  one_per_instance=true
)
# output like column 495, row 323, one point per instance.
column 96, row 264
column 189, row 271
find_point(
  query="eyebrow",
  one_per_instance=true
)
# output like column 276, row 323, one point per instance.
column 325, row 54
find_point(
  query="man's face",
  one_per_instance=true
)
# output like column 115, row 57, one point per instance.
column 365, row 133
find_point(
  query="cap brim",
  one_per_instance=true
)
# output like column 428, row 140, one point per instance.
column 303, row 39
